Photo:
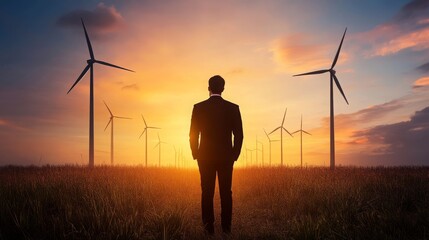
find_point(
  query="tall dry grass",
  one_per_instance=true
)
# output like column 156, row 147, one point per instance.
column 269, row 203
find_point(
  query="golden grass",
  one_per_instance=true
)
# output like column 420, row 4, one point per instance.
column 269, row 203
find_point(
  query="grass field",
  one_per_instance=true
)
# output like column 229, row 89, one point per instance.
column 269, row 203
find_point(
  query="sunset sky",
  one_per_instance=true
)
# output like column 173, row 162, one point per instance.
column 175, row 46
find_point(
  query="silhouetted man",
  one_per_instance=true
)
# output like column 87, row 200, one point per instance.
column 213, row 123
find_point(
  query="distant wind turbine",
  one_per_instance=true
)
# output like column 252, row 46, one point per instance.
column 90, row 67
column 333, row 78
column 175, row 156
column 269, row 143
column 261, row 150
column 256, row 150
column 111, row 130
column 159, row 148
column 145, row 130
column 251, row 155
column 301, row 131
column 281, row 127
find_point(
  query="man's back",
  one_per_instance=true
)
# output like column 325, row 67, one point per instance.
column 214, row 121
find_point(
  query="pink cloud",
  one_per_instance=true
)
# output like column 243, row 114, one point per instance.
column 421, row 82
column 10, row 125
column 298, row 54
column 417, row 40
column 408, row 29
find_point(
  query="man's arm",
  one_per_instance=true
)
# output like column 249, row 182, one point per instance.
column 194, row 134
column 237, row 130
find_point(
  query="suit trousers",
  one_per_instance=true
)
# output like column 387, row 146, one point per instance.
column 208, row 172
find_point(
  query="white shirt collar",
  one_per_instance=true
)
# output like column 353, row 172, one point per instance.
column 215, row 94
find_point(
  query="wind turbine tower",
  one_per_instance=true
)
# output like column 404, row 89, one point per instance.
column 111, row 130
column 262, row 145
column 269, row 144
column 145, row 130
column 301, row 131
column 159, row 148
column 281, row 128
column 333, row 78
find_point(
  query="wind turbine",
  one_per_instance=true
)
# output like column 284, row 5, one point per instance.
column 159, row 147
column 333, row 78
column 301, row 131
column 269, row 143
column 145, row 130
column 251, row 155
column 90, row 66
column 175, row 156
column 111, row 130
column 257, row 149
column 281, row 127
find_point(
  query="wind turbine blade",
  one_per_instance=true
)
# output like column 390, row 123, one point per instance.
column 339, row 87
column 297, row 131
column 122, row 117
column 284, row 115
column 144, row 121
column 159, row 139
column 142, row 133
column 287, row 131
column 91, row 53
column 111, row 65
column 80, row 77
column 312, row 73
column 266, row 134
column 111, row 114
column 154, row 127
column 275, row 130
column 108, row 124
column 306, row 132
column 156, row 145
column 338, row 51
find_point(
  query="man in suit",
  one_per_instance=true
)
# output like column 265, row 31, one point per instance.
column 214, row 122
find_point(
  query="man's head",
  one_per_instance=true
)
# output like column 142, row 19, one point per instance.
column 216, row 84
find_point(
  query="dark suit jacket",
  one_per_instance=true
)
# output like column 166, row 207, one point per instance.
column 213, row 123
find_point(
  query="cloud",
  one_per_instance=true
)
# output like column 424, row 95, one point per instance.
column 408, row 29
column 298, row 54
column 412, row 9
column 8, row 125
column 103, row 19
column 364, row 116
column 235, row 71
column 403, row 142
column 423, row 68
column 416, row 40
column 421, row 82
column 131, row 87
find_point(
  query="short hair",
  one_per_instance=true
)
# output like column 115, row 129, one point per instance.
column 216, row 84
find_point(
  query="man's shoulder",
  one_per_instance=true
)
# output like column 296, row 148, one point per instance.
column 207, row 102
column 201, row 103
column 231, row 104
